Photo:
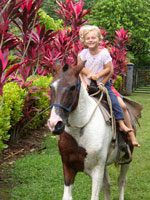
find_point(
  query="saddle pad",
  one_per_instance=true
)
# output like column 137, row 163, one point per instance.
column 105, row 112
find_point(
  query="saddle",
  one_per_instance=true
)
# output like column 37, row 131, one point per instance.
column 134, row 110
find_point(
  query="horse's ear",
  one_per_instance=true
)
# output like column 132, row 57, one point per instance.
column 65, row 67
column 79, row 67
column 57, row 66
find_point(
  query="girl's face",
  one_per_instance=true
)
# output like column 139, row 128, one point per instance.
column 91, row 40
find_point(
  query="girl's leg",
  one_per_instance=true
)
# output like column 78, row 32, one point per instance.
column 118, row 112
column 123, row 127
column 128, row 123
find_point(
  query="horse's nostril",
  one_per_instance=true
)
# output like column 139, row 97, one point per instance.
column 59, row 128
column 59, row 125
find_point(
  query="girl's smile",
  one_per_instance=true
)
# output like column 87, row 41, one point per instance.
column 92, row 40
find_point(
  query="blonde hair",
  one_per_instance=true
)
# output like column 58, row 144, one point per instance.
column 93, row 28
column 84, row 29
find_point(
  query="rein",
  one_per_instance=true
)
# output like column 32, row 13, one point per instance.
column 68, row 109
column 101, row 96
column 102, row 89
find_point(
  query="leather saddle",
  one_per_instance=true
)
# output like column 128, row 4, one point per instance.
column 121, row 138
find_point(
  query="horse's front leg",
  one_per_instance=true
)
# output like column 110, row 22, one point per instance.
column 122, row 180
column 69, row 176
column 97, row 181
column 106, row 185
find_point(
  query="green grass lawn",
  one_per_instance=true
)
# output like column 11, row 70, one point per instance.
column 39, row 176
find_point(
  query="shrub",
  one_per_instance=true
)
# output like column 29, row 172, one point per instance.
column 49, row 22
column 14, row 97
column 118, row 83
column 133, row 15
column 4, row 124
column 42, row 102
column 11, row 110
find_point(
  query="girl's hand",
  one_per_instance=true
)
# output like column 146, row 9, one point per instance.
column 89, row 76
column 94, row 77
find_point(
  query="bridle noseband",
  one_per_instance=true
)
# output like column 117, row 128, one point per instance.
column 68, row 109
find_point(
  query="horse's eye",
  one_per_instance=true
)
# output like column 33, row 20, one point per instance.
column 51, row 87
column 72, row 87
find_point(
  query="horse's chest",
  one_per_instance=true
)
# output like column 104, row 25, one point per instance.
column 72, row 154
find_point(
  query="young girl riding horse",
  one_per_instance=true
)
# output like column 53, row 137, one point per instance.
column 99, row 67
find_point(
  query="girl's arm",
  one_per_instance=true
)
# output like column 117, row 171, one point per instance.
column 82, row 79
column 81, row 73
column 106, row 72
column 84, row 70
column 107, row 77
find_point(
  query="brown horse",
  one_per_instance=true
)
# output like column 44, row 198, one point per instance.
column 84, row 144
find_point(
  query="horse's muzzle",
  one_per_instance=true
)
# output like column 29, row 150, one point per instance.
column 59, row 128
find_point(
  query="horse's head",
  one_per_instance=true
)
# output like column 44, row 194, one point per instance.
column 64, row 96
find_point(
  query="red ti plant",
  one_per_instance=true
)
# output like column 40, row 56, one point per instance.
column 119, row 60
column 119, row 51
column 7, row 39
column 104, row 42
column 3, row 64
column 121, row 39
column 27, row 15
column 72, row 14
column 40, row 44
column 10, row 10
column 64, row 43
column 26, row 22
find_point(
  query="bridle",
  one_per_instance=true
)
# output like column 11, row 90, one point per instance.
column 68, row 109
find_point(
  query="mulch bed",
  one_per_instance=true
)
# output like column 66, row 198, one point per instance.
column 28, row 143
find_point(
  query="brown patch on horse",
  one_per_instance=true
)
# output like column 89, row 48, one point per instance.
column 72, row 157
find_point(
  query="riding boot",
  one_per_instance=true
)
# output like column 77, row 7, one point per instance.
column 123, row 147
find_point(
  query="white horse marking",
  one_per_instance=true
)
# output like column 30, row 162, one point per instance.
column 55, row 84
column 54, row 118
column 67, row 193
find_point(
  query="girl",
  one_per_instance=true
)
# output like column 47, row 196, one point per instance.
column 99, row 67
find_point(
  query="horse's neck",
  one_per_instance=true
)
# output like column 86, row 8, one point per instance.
column 84, row 109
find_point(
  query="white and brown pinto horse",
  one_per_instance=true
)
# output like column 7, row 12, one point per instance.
column 84, row 147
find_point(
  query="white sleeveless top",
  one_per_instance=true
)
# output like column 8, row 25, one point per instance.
column 95, row 64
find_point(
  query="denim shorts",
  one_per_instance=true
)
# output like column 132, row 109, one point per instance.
column 118, row 112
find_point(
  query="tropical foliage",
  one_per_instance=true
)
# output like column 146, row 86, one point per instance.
column 33, row 49
column 29, row 48
column 48, row 21
column 50, row 5
column 132, row 15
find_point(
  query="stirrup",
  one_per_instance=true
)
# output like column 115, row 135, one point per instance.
column 123, row 147
column 127, row 158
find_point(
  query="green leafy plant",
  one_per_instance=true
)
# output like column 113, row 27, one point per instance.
column 14, row 97
column 42, row 102
column 11, row 110
column 48, row 21
column 4, row 125
column 118, row 83
column 133, row 15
